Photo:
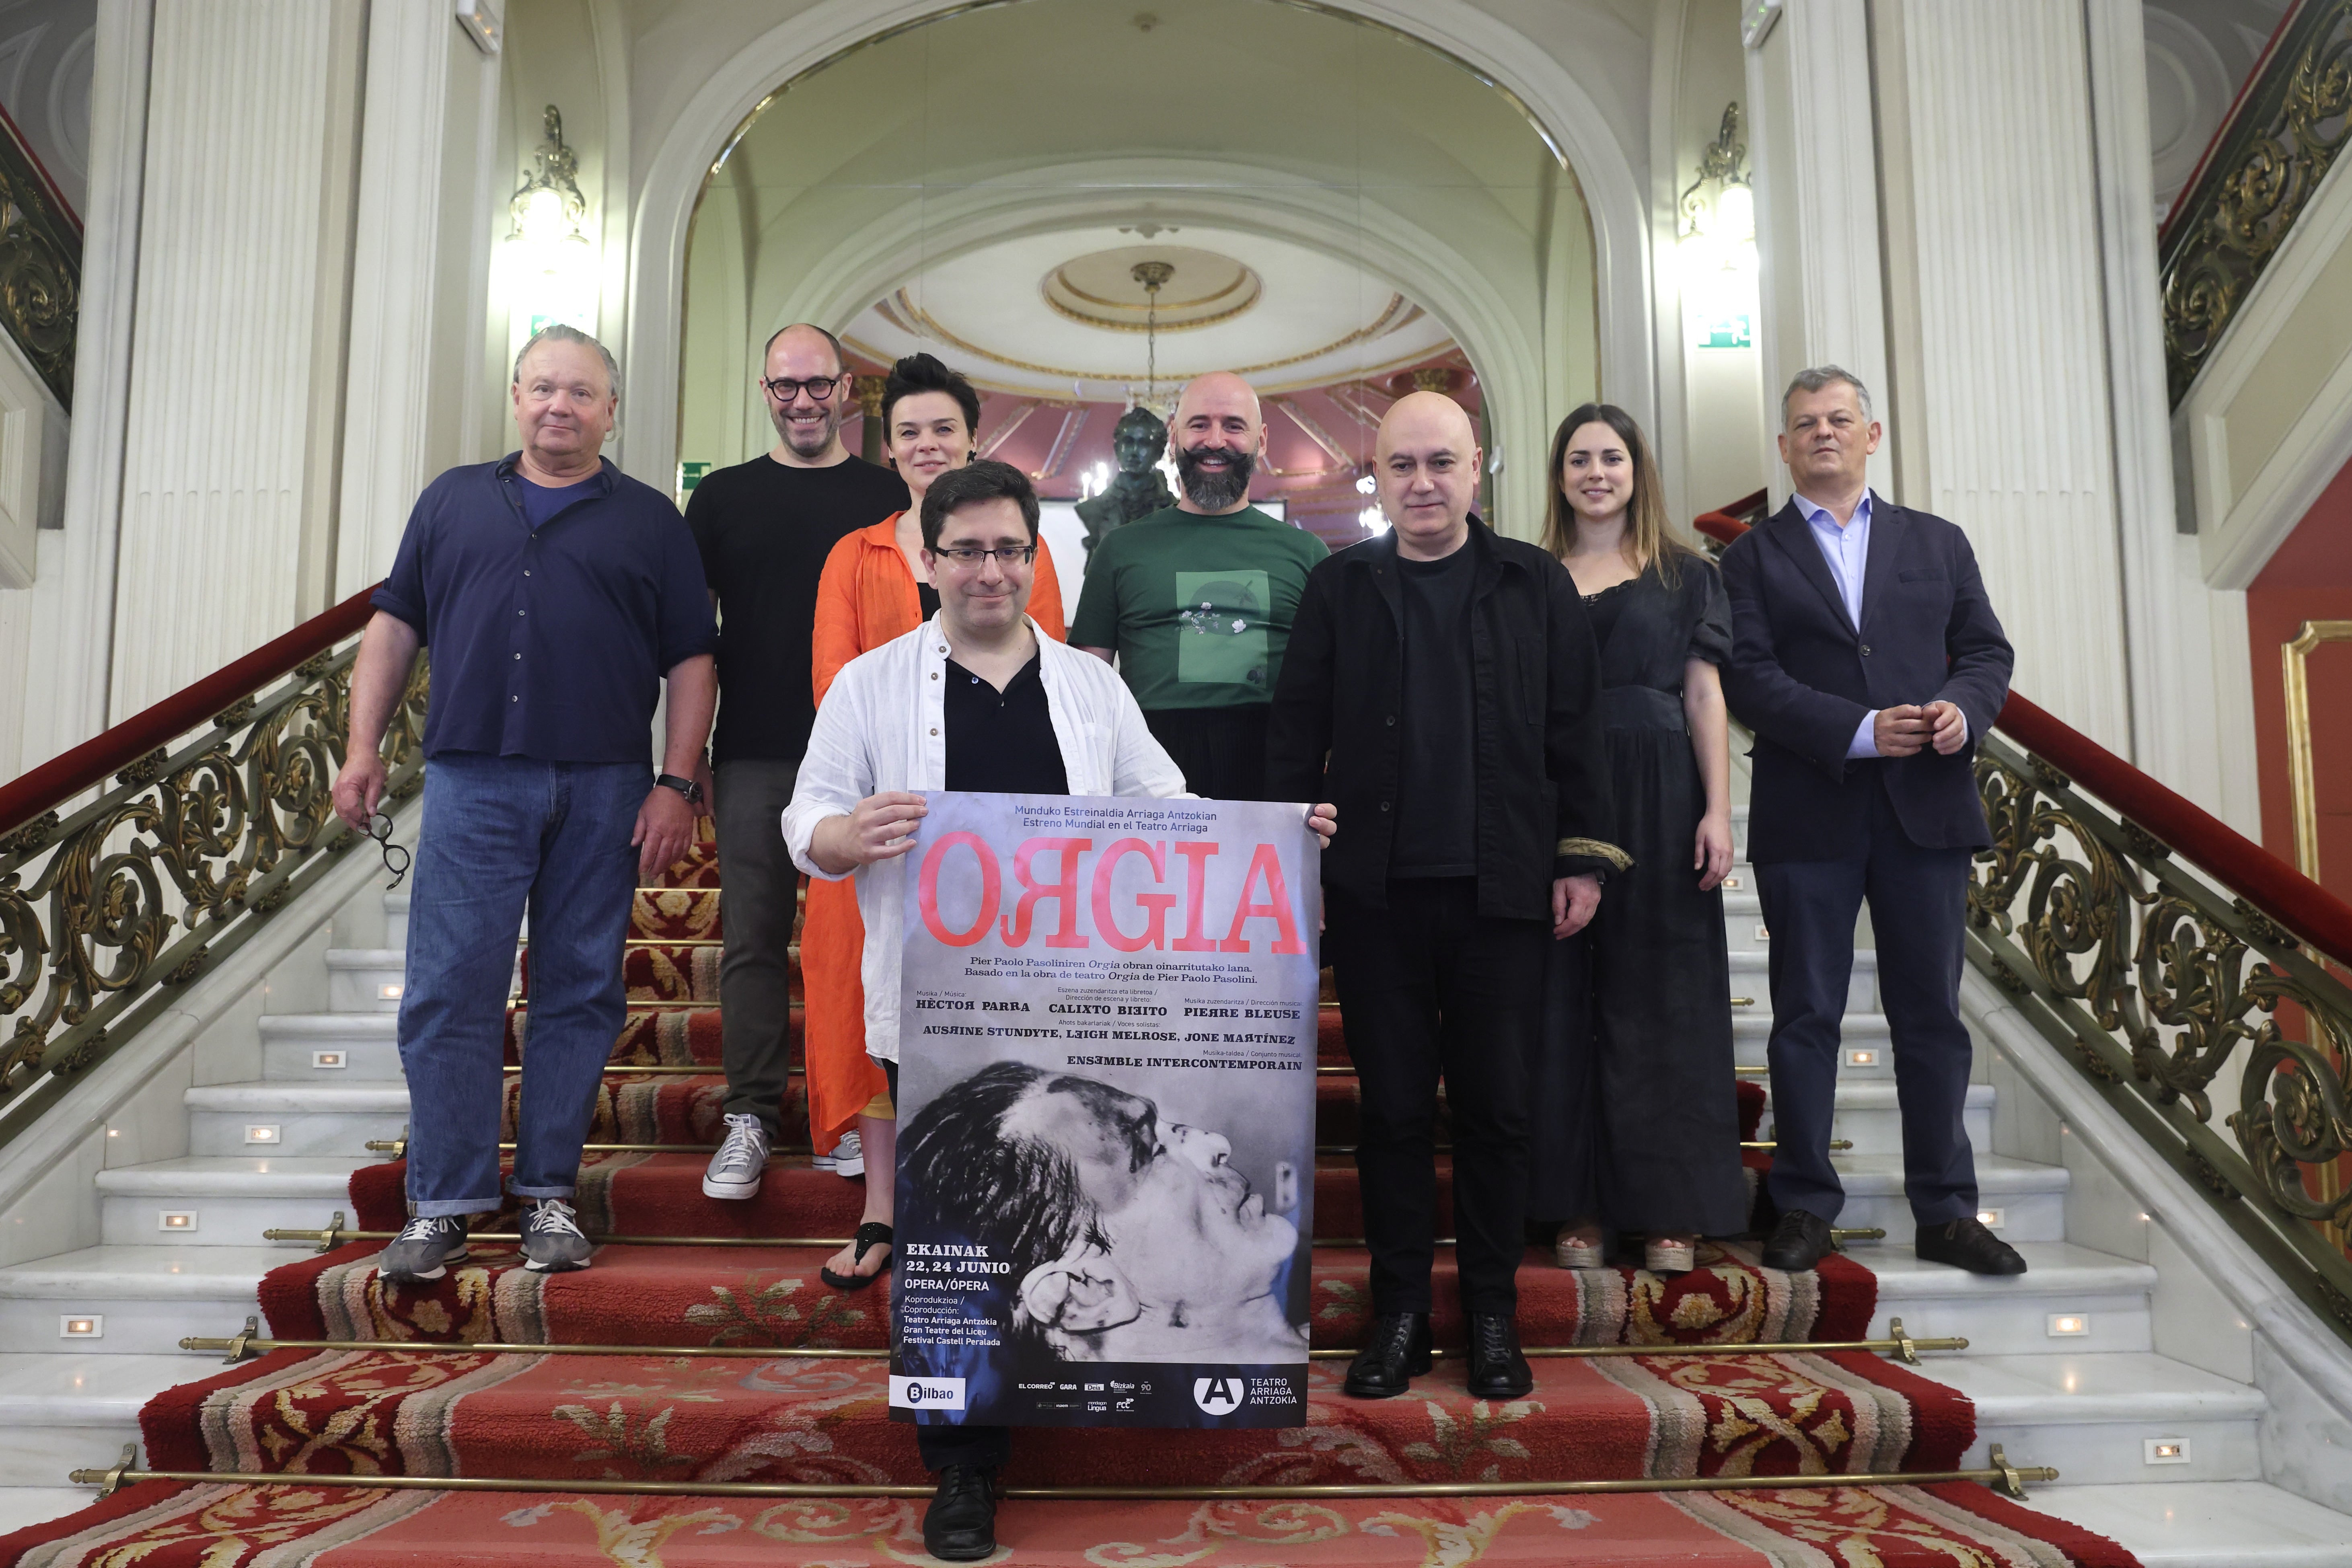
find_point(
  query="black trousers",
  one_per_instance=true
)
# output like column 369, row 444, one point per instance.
column 985, row 1447
column 1918, row 903
column 1221, row 750
column 755, row 983
column 1431, row 989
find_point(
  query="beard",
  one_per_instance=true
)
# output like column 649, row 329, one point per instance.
column 810, row 440
column 1214, row 490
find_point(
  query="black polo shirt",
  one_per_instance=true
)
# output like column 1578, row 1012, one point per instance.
column 1002, row 742
column 548, row 642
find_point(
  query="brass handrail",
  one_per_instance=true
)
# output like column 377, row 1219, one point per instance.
column 2000, row 1474
column 251, row 1341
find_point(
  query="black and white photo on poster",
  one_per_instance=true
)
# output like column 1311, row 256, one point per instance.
column 1106, row 1114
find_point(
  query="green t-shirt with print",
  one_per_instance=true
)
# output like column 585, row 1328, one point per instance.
column 1197, row 608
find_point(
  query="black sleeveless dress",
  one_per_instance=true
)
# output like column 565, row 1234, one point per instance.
column 1635, row 1115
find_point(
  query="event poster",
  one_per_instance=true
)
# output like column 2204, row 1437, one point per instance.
column 1107, row 1051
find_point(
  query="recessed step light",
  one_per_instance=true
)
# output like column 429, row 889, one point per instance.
column 389, row 991
column 261, row 1133
column 81, row 1326
column 1992, row 1219
column 2064, row 1325
column 1862, row 1058
column 1733, row 884
column 175, row 1219
column 329, row 1062
column 2165, row 1452
column 1762, row 935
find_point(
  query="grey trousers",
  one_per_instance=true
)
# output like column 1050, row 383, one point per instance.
column 755, row 985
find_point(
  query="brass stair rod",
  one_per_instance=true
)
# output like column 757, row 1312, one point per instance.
column 395, row 1147
column 252, row 1342
column 715, row 1070
column 337, row 1234
column 2000, row 1474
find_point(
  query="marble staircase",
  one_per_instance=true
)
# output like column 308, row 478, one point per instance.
column 2067, row 1365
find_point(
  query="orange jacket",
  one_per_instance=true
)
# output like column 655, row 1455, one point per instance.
column 866, row 597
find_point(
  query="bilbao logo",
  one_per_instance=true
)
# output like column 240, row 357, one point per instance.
column 927, row 1393
column 1217, row 1395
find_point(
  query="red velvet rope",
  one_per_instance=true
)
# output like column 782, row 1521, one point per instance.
column 63, row 777
column 2194, row 833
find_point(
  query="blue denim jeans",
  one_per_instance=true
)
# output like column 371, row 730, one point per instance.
column 501, row 834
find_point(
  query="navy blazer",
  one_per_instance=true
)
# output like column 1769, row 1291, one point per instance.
column 1802, row 678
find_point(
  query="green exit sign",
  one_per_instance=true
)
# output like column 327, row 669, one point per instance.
column 690, row 475
column 1725, row 333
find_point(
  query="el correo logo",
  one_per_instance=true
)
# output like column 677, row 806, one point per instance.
column 927, row 1393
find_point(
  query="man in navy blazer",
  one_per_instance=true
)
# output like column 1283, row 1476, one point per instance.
column 1867, row 659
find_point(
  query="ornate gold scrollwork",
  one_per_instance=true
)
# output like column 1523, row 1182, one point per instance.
column 176, row 845
column 2292, row 121
column 2192, row 981
column 40, row 270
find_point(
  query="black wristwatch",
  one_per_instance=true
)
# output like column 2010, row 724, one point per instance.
column 687, row 787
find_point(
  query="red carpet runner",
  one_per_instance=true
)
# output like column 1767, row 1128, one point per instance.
column 672, row 1418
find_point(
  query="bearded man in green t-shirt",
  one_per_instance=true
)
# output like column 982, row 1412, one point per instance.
column 1196, row 599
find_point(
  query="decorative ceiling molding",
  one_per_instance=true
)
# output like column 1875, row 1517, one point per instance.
column 1232, row 286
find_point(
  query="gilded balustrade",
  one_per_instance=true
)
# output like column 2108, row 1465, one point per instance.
column 133, row 893
column 2174, row 995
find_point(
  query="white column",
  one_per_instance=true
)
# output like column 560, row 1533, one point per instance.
column 1817, row 222
column 69, row 651
column 241, row 247
column 2003, row 382
column 393, row 266
column 2183, row 731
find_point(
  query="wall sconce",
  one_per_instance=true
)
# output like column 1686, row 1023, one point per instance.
column 1716, row 224
column 550, row 263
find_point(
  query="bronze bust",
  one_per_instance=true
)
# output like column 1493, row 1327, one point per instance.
column 1137, row 440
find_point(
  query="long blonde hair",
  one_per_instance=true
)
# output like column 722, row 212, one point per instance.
column 1653, row 548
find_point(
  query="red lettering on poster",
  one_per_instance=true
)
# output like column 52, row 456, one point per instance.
column 1196, row 853
column 1155, row 923
column 1265, row 865
column 927, row 889
column 1064, row 890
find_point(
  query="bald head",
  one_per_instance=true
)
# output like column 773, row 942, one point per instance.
column 805, row 361
column 1426, row 464
column 1218, row 436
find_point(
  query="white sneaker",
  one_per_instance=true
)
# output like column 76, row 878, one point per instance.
column 849, row 1156
column 735, row 1169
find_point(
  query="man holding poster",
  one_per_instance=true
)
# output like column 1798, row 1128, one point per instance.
column 1024, row 1136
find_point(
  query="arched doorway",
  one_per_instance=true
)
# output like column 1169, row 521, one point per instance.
column 1410, row 211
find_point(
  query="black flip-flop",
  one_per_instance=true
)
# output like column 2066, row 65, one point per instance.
column 870, row 1235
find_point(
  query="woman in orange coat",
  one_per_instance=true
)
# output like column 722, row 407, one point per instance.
column 874, row 589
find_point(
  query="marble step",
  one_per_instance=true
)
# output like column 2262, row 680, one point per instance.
column 227, row 1202
column 21, row 1506
column 137, row 1301
column 2207, row 1525
column 331, row 1048
column 1867, row 1113
column 60, row 1413
column 1743, row 917
column 1751, row 978
column 1865, row 1046
column 365, row 979
column 2098, row 1416
column 395, row 917
column 2100, row 1300
column 2026, row 1199
column 235, row 1118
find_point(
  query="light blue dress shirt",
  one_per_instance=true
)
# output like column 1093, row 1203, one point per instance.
column 1847, row 552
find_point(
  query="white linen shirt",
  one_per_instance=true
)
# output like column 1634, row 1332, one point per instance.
column 883, row 727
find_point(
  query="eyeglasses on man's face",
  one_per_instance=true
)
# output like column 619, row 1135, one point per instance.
column 970, row 556
column 820, row 388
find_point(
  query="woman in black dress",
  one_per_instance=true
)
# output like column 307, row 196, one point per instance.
column 1636, row 1108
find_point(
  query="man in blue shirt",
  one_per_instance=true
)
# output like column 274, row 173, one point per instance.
column 554, row 595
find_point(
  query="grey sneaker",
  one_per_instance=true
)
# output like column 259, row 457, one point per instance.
column 849, row 1155
column 424, row 1250
column 735, row 1169
column 551, row 1239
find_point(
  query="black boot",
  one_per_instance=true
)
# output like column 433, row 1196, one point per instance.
column 1798, row 1242
column 1394, row 1352
column 1966, row 1244
column 961, row 1525
column 1497, row 1370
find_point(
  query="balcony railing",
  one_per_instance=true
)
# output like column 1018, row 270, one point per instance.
column 2184, row 969
column 219, row 812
